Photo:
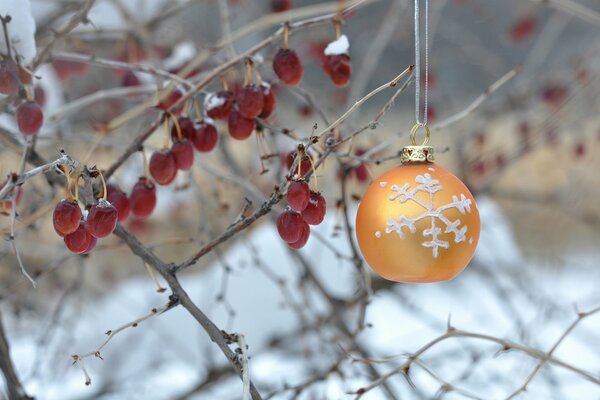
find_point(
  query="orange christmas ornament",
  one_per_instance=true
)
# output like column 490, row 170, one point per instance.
column 418, row 222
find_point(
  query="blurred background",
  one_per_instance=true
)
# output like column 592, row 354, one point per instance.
column 513, row 94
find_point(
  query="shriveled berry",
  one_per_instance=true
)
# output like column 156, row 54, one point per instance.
column 250, row 100
column 118, row 199
column 79, row 241
column 205, row 136
column 183, row 152
column 29, row 118
column 339, row 68
column 163, row 167
column 304, row 235
column 240, row 127
column 66, row 217
column 290, row 226
column 187, row 129
column 218, row 105
column 102, row 219
column 298, row 195
column 288, row 67
column 269, row 101
column 9, row 76
column 314, row 213
column 143, row 198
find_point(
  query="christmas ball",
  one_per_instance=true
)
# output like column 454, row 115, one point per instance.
column 417, row 222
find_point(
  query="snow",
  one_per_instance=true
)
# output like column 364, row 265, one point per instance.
column 339, row 46
column 171, row 352
column 182, row 53
column 21, row 29
column 213, row 100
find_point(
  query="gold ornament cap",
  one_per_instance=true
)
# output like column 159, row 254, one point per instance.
column 415, row 153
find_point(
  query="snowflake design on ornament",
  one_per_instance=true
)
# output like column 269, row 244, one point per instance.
column 425, row 183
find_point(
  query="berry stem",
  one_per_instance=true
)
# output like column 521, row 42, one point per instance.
column 299, row 156
column 69, row 184
column 248, row 77
column 286, row 29
column 104, row 191
column 145, row 159
column 5, row 20
column 177, row 127
column 337, row 22
column 198, row 110
column 316, row 181
column 224, row 82
column 167, row 131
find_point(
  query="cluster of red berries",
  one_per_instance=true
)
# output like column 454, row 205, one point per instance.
column 305, row 207
column 336, row 63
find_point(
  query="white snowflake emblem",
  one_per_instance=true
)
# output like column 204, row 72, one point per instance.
column 425, row 183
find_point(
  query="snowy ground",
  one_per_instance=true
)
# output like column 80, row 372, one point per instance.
column 170, row 353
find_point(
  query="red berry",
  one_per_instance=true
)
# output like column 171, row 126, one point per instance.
column 170, row 99
column 555, row 95
column 281, row 5
column 298, row 195
column 314, row 213
column 304, row 234
column 522, row 29
column 163, row 167
column 66, row 217
column 102, row 219
column 290, row 225
column 130, row 79
column 239, row 126
column 205, row 136
column 66, row 68
column 143, row 198
column 187, row 129
column 80, row 240
column 361, row 172
column 9, row 77
column 338, row 68
column 7, row 205
column 91, row 246
column 579, row 150
column 39, row 96
column 269, row 102
column 218, row 105
column 29, row 118
column 250, row 100
column 183, row 152
column 118, row 199
column 288, row 67
column 305, row 164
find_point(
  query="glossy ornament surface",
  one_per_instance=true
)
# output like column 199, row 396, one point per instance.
column 418, row 223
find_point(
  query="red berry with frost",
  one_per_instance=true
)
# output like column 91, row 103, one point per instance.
column 218, row 105
column 187, row 129
column 183, row 152
column 39, row 96
column 250, row 100
column 66, row 217
column 143, row 198
column 205, row 136
column 288, row 67
column 269, row 101
column 290, row 225
column 163, row 167
column 339, row 68
column 9, row 76
column 102, row 219
column 29, row 118
column 298, row 195
column 118, row 199
column 304, row 235
column 240, row 127
column 314, row 213
column 80, row 240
